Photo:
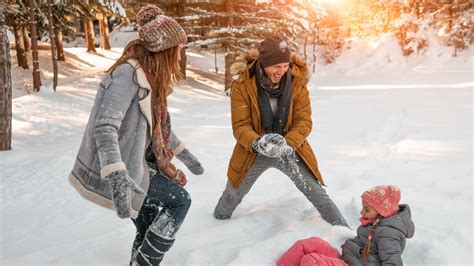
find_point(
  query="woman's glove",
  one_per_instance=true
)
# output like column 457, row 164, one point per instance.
column 191, row 162
column 122, row 187
column 271, row 145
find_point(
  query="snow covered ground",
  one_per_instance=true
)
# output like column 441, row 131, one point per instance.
column 407, row 122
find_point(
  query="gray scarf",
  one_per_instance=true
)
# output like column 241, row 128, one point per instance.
column 283, row 93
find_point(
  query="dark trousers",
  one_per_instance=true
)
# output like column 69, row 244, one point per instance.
column 161, row 215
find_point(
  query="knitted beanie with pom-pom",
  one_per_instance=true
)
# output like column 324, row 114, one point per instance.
column 157, row 31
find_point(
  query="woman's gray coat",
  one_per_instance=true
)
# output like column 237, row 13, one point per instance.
column 116, row 137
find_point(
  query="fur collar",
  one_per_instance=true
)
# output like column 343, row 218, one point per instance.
column 145, row 98
column 141, row 76
column 244, row 62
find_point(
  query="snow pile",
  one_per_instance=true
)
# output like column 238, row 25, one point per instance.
column 384, row 54
column 76, row 42
column 122, row 35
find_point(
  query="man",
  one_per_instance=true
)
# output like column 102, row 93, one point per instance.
column 271, row 119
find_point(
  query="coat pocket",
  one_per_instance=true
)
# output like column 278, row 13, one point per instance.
column 239, row 159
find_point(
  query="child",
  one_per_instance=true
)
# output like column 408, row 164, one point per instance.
column 380, row 239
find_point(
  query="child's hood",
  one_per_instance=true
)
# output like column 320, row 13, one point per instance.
column 402, row 221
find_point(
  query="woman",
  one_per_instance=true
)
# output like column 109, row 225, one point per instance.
column 124, row 162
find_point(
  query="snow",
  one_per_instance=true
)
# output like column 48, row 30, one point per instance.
column 378, row 118
column 383, row 54
column 10, row 37
column 283, row 45
column 77, row 65
column 405, row 18
column 193, row 17
column 123, row 34
column 115, row 7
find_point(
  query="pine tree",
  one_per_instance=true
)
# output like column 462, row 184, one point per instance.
column 17, row 18
column 64, row 14
column 6, row 90
column 89, row 27
column 104, row 29
column 52, row 39
column 34, row 46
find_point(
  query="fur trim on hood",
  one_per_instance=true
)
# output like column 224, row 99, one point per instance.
column 246, row 61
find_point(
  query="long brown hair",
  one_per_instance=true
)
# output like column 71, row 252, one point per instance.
column 163, row 66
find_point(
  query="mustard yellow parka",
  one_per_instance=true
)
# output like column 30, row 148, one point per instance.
column 246, row 121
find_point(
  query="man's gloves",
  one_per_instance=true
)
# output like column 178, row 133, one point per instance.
column 122, row 187
column 271, row 145
column 191, row 162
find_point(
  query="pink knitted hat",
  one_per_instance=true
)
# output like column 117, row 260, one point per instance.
column 383, row 199
column 157, row 31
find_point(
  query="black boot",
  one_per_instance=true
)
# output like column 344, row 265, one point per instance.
column 153, row 250
column 136, row 245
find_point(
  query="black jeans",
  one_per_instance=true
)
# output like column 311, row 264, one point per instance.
column 163, row 210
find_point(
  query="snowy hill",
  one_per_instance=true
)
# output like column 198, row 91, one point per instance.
column 410, row 125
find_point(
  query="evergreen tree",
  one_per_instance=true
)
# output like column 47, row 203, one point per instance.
column 16, row 18
column 6, row 90
column 32, row 9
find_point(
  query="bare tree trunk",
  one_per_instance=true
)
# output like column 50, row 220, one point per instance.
column 314, row 51
column 229, row 60
column 58, row 39
column 386, row 22
column 104, row 30
column 180, row 8
column 52, row 40
column 305, row 44
column 26, row 39
column 59, row 45
column 20, row 48
column 89, row 31
column 34, row 47
column 6, row 90
column 215, row 58
column 183, row 62
column 229, row 8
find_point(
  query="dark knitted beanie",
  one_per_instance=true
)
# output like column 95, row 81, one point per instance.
column 157, row 31
column 274, row 50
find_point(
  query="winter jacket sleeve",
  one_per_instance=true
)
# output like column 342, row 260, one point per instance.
column 302, row 124
column 241, row 117
column 118, row 90
column 389, row 247
column 176, row 144
column 351, row 253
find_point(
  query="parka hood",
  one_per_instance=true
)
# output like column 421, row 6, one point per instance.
column 402, row 221
column 244, row 66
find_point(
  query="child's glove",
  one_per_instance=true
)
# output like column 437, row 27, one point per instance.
column 122, row 187
column 271, row 145
column 191, row 162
